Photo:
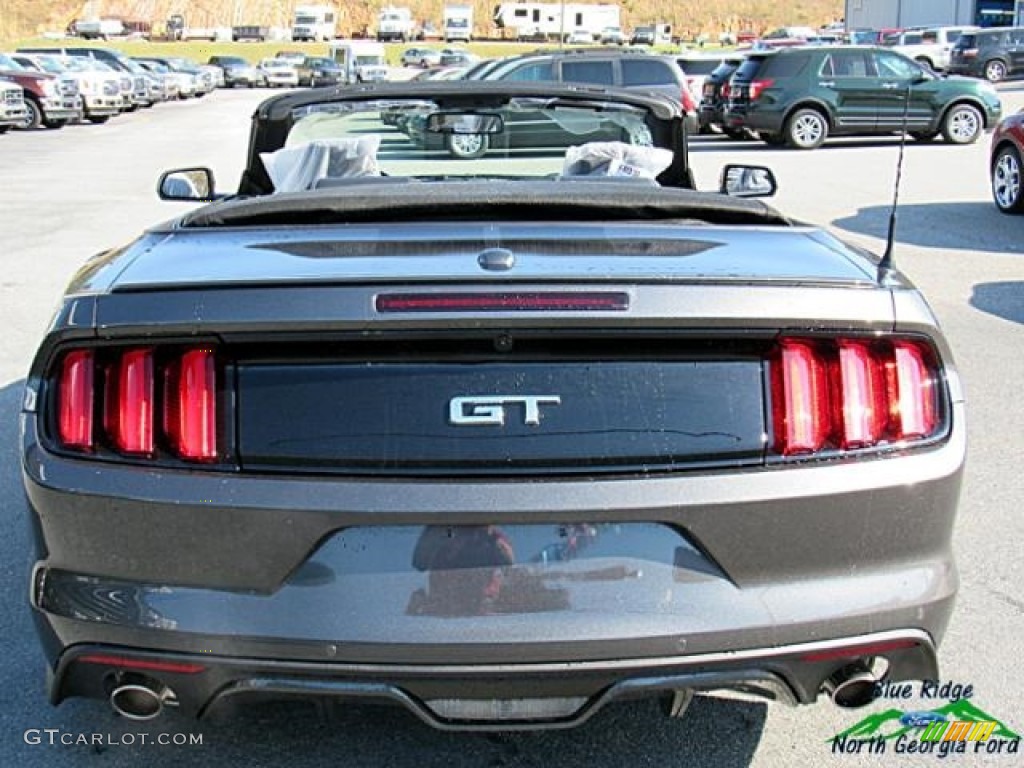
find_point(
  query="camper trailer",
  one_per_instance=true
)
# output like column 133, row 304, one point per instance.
column 394, row 24
column 457, row 23
column 544, row 21
column 314, row 23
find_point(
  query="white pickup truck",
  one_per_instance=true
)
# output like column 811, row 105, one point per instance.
column 930, row 46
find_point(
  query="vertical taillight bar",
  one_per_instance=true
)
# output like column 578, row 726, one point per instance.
column 913, row 403
column 799, row 399
column 129, row 402
column 75, row 400
column 861, row 396
column 191, row 420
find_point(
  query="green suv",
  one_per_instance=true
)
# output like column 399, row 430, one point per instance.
column 801, row 96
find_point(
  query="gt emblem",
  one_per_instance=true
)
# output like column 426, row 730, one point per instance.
column 489, row 410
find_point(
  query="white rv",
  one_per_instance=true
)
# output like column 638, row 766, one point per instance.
column 394, row 24
column 458, row 23
column 361, row 61
column 544, row 21
column 314, row 22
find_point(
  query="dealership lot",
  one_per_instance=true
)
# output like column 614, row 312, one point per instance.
column 68, row 196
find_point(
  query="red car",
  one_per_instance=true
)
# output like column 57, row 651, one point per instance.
column 1005, row 165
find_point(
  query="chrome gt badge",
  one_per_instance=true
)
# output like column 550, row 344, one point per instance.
column 490, row 410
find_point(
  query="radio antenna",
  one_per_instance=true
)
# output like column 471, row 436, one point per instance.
column 885, row 263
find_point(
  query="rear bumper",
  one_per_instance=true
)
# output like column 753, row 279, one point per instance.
column 486, row 697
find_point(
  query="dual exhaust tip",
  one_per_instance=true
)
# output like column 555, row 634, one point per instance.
column 141, row 698
column 852, row 686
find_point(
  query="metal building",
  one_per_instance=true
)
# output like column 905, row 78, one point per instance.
column 884, row 14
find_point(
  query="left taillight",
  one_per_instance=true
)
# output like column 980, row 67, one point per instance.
column 140, row 402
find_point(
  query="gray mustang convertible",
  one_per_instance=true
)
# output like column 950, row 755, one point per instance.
column 467, row 400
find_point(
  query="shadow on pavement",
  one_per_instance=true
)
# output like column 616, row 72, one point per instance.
column 1005, row 300
column 713, row 734
column 941, row 225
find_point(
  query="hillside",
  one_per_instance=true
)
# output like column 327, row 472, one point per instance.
column 689, row 18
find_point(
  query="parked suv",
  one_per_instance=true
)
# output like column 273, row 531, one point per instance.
column 714, row 97
column 990, row 53
column 801, row 96
column 931, row 47
column 632, row 70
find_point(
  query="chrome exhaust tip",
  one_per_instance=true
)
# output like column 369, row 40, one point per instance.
column 852, row 686
column 142, row 699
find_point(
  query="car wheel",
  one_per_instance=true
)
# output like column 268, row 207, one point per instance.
column 467, row 146
column 1006, row 187
column 98, row 119
column 923, row 136
column 33, row 117
column 806, row 129
column 54, row 125
column 995, row 71
column 4, row 128
column 963, row 124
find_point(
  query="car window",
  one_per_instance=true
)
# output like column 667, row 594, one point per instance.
column 538, row 71
column 597, row 72
column 784, row 66
column 914, row 38
column 846, row 64
column 890, row 65
column 646, row 72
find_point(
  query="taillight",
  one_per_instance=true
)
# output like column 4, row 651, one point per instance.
column 800, row 400
column 969, row 53
column 687, row 100
column 757, row 87
column 128, row 411
column 132, row 387
column 190, row 405
column 75, row 406
column 848, row 394
column 726, row 90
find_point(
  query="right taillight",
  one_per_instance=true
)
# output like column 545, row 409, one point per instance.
column 849, row 394
column 154, row 402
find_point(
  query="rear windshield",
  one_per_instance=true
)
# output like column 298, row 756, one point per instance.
column 748, row 69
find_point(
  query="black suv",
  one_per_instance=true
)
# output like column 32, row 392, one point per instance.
column 714, row 96
column 801, row 96
column 990, row 53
